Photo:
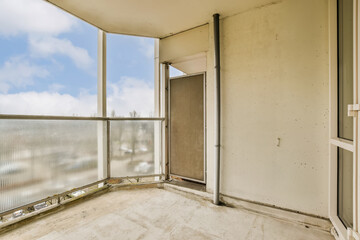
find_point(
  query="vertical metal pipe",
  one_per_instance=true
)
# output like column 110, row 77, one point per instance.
column 167, row 121
column 217, row 108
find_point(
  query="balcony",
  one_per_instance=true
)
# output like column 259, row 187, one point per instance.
column 51, row 188
column 138, row 212
column 232, row 119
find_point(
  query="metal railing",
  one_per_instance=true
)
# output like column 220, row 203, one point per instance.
column 59, row 153
column 49, row 117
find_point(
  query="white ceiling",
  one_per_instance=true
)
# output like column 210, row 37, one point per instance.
column 153, row 18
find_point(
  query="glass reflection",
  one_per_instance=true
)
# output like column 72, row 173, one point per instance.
column 132, row 149
column 40, row 158
column 345, row 68
column 345, row 191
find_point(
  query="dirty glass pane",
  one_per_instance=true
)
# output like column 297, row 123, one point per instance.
column 345, row 190
column 345, row 68
column 40, row 158
column 134, row 148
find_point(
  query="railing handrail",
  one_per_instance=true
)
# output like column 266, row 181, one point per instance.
column 49, row 117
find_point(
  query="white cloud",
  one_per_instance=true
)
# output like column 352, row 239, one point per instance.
column 47, row 103
column 47, row 46
column 125, row 96
column 42, row 22
column 56, row 87
column 131, row 94
column 33, row 17
column 147, row 47
column 19, row 72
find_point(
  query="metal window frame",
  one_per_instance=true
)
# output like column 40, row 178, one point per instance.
column 104, row 121
column 334, row 141
column 48, row 117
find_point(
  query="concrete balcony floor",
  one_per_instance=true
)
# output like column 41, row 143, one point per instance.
column 155, row 213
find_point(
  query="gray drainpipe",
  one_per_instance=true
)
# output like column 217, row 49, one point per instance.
column 217, row 108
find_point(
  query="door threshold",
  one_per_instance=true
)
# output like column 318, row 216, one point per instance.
column 187, row 184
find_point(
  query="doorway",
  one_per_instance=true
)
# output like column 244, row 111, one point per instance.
column 187, row 127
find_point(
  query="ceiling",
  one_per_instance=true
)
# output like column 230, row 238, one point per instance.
column 153, row 18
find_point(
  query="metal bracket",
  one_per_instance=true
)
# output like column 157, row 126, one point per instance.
column 353, row 110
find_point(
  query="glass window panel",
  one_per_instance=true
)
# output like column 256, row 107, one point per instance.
column 345, row 68
column 345, row 187
column 130, row 76
column 132, row 148
column 40, row 158
column 48, row 61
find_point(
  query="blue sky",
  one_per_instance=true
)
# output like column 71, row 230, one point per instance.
column 48, row 62
column 60, row 68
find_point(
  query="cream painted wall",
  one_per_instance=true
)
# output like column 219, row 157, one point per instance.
column 274, row 84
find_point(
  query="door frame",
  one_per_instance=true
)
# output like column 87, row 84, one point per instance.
column 336, row 142
column 205, row 127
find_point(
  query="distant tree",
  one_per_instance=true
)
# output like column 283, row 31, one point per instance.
column 134, row 130
column 120, row 130
column 134, row 114
column 149, row 136
column 113, row 114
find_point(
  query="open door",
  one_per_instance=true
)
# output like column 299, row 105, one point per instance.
column 187, row 127
column 344, row 118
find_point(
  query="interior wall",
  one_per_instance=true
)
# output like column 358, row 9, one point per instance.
column 275, row 102
column 274, row 117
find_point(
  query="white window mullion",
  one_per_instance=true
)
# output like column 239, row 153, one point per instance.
column 103, row 163
column 157, row 109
